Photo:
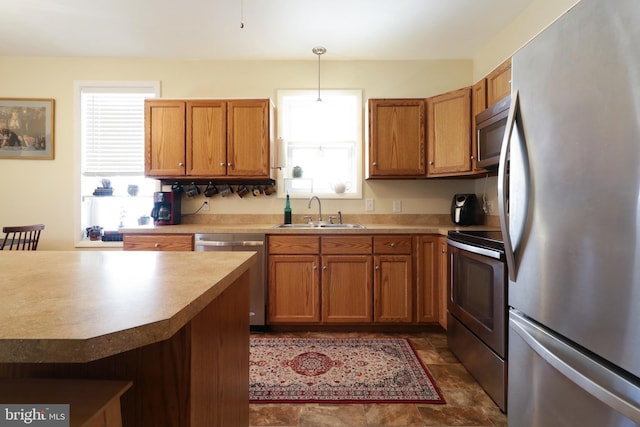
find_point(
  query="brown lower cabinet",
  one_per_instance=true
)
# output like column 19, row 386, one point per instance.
column 294, row 279
column 158, row 242
column 351, row 279
column 347, row 289
column 427, row 276
column 294, row 289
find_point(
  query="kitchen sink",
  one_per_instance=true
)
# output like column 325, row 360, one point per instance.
column 315, row 225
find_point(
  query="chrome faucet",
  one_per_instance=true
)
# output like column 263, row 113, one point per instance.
column 319, row 207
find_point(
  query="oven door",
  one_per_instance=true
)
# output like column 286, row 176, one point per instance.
column 478, row 295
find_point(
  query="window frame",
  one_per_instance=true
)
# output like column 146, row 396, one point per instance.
column 154, row 85
column 283, row 151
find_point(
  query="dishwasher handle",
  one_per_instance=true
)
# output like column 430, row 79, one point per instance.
column 229, row 243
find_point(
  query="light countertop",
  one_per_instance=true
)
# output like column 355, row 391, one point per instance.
column 78, row 306
column 270, row 229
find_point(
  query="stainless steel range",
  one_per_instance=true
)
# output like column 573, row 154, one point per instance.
column 477, row 304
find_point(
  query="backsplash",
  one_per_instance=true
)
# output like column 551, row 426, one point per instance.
column 395, row 219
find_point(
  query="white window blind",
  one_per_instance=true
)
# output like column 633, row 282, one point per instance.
column 112, row 130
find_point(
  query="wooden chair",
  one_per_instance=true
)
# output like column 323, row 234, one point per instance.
column 22, row 238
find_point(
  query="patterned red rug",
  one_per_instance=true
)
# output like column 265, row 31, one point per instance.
column 338, row 370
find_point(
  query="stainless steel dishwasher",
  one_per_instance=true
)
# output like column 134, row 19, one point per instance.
column 243, row 242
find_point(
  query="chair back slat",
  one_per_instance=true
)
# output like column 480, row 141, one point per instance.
column 22, row 238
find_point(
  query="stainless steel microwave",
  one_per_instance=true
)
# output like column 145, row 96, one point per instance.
column 490, row 127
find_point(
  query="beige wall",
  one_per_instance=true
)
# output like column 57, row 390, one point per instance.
column 46, row 191
column 534, row 19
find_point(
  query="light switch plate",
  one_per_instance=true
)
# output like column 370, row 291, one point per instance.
column 397, row 206
column 369, row 205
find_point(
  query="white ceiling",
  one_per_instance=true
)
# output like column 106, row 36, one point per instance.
column 274, row 29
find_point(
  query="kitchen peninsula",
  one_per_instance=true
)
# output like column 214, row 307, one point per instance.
column 174, row 323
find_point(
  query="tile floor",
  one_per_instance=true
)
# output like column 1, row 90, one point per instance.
column 467, row 403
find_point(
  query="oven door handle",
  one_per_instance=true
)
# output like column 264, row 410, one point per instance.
column 475, row 249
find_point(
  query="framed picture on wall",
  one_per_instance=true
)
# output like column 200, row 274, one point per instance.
column 26, row 128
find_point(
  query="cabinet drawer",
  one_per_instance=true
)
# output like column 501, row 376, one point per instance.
column 294, row 245
column 350, row 245
column 400, row 244
column 158, row 242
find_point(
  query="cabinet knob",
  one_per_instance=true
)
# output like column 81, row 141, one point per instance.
column 156, row 245
column 229, row 164
column 180, row 164
column 315, row 267
column 393, row 245
column 375, row 163
column 444, row 251
column 431, row 163
column 472, row 157
column 221, row 163
column 324, row 268
column 377, row 267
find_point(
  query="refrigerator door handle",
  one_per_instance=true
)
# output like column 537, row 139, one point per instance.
column 602, row 383
column 503, row 185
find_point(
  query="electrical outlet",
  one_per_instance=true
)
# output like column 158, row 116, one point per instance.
column 369, row 205
column 205, row 205
column 397, row 206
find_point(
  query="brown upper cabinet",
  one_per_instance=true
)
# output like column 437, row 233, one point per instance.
column 164, row 137
column 208, row 138
column 449, row 133
column 397, row 138
column 434, row 137
column 499, row 83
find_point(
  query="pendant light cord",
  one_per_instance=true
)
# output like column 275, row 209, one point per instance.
column 319, row 99
column 319, row 50
column 241, row 14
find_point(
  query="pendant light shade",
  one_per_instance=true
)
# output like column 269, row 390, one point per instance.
column 319, row 50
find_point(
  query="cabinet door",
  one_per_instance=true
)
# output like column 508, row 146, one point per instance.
column 392, row 290
column 449, row 133
column 294, row 289
column 499, row 83
column 158, row 242
column 164, row 138
column 346, row 288
column 249, row 138
column 206, row 138
column 427, row 279
column 397, row 138
column 443, row 281
column 478, row 105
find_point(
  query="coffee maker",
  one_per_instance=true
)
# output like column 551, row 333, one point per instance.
column 166, row 208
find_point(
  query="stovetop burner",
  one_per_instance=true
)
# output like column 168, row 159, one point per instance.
column 484, row 238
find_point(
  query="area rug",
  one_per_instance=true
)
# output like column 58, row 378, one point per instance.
column 338, row 370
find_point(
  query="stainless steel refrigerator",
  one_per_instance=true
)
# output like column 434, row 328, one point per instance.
column 569, row 197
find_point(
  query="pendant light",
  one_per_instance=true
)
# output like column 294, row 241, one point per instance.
column 319, row 50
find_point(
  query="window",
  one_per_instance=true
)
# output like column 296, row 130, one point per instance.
column 114, row 191
column 321, row 142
